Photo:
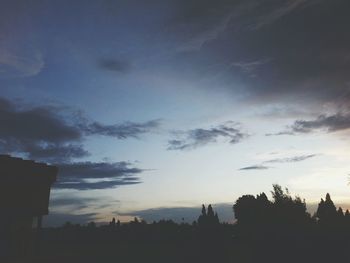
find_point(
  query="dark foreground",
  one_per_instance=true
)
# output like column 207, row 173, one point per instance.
column 168, row 242
column 280, row 230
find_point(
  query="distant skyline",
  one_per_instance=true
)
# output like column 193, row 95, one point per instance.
column 151, row 107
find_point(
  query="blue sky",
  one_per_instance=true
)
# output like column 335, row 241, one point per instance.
column 171, row 104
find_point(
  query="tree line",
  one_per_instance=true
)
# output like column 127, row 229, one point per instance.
column 279, row 229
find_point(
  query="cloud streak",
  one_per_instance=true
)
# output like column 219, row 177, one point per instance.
column 293, row 159
column 254, row 167
column 122, row 131
column 96, row 175
column 195, row 138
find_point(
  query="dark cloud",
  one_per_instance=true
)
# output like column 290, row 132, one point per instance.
column 50, row 134
column 254, row 167
column 43, row 134
column 329, row 123
column 189, row 214
column 35, row 124
column 326, row 123
column 113, row 65
column 199, row 137
column 56, row 219
column 54, row 152
column 38, row 132
column 271, row 50
column 294, row 52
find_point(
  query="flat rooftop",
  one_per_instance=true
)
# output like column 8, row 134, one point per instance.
column 25, row 186
column 13, row 168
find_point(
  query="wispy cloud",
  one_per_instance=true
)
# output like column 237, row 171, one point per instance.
column 203, row 37
column 250, row 66
column 292, row 159
column 195, row 138
column 279, row 10
column 200, row 24
column 16, row 64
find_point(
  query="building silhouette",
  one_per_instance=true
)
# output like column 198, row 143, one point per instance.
column 24, row 200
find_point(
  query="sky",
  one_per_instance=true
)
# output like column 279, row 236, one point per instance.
column 152, row 108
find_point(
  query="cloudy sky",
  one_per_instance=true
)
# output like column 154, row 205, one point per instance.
column 151, row 108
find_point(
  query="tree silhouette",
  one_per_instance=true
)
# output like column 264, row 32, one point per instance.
column 204, row 212
column 208, row 217
column 326, row 211
column 340, row 213
column 259, row 216
column 287, row 209
column 246, row 209
column 210, row 212
column 112, row 223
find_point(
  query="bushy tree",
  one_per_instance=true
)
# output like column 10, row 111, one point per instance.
column 287, row 209
column 246, row 209
column 258, row 211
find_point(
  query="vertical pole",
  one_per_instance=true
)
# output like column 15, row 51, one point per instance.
column 38, row 235
column 39, row 223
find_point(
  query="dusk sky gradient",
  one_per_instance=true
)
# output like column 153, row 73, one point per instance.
column 152, row 108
